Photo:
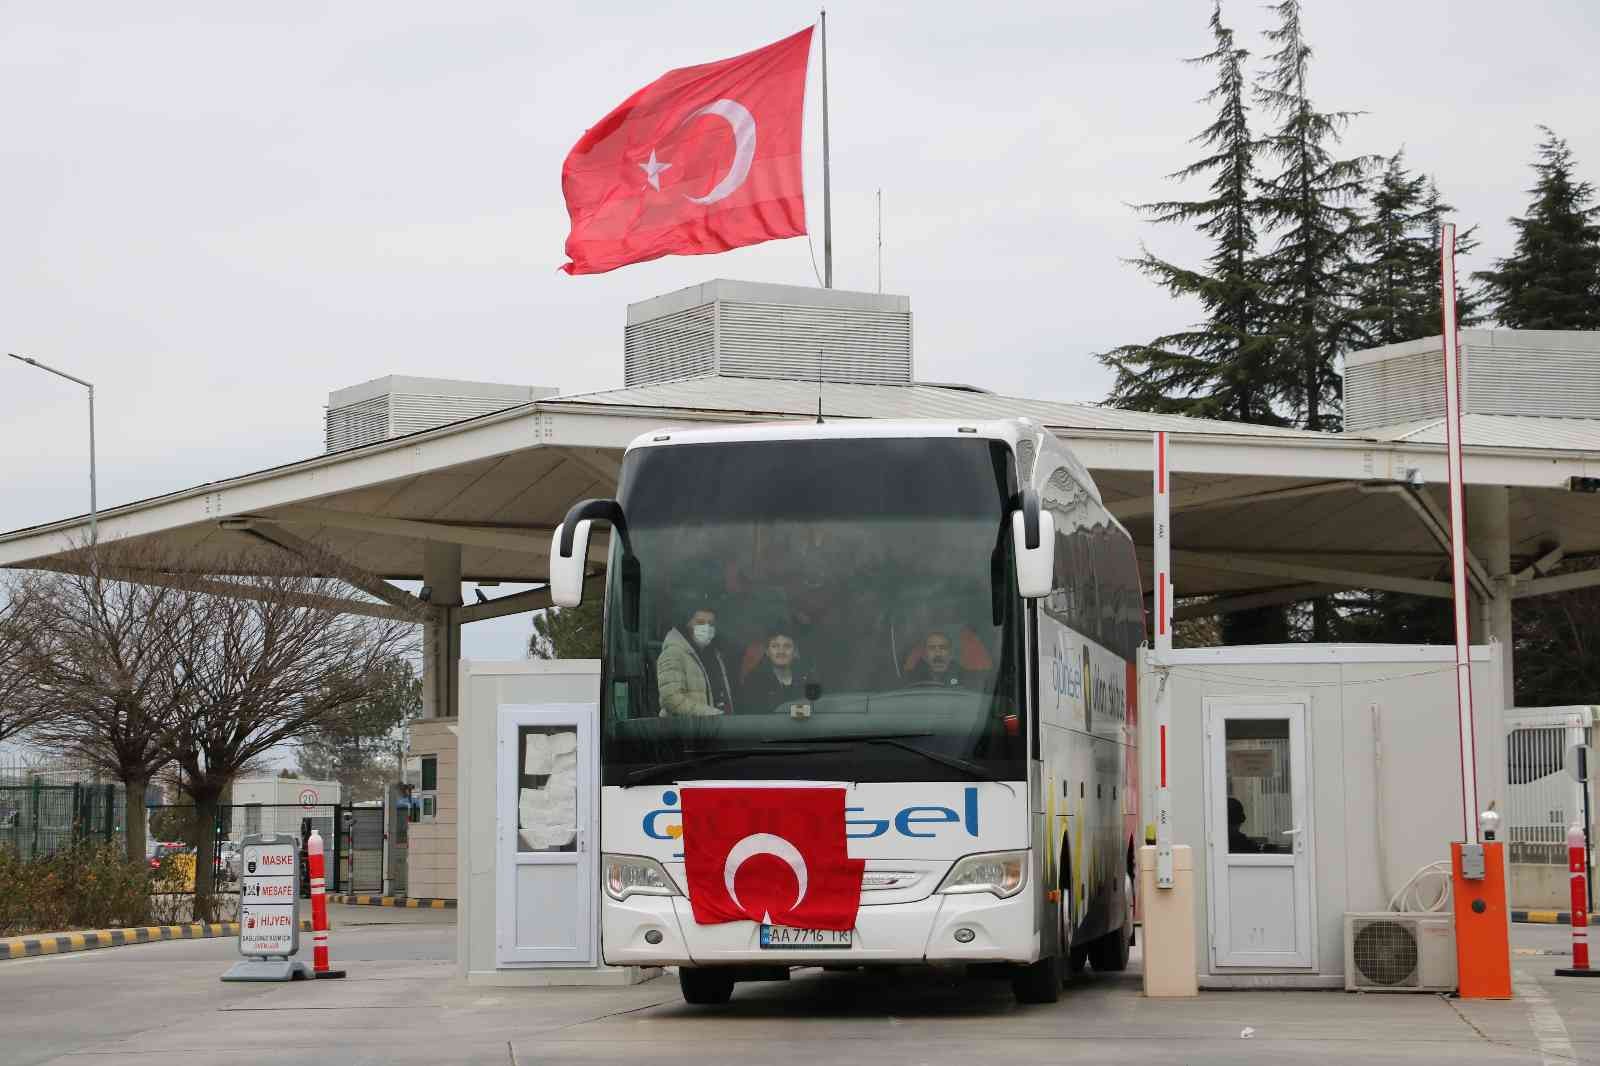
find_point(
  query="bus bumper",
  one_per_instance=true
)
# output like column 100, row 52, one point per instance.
column 1003, row 930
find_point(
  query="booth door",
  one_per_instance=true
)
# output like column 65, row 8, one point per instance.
column 1259, row 831
column 544, row 898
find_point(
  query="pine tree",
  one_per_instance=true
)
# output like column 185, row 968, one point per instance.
column 1552, row 279
column 1434, row 214
column 1310, row 200
column 567, row 632
column 1216, row 369
column 1397, row 274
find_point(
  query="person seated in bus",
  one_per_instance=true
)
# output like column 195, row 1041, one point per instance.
column 691, row 674
column 779, row 677
column 939, row 665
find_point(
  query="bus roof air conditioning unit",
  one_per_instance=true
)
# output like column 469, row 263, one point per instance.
column 1388, row 951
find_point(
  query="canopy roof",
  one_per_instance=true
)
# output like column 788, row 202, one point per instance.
column 1256, row 508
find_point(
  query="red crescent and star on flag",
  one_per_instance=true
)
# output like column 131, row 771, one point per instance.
column 701, row 160
column 775, row 855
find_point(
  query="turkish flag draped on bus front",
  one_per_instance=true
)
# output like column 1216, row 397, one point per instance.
column 701, row 160
column 770, row 855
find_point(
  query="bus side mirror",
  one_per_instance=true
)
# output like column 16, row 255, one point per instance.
column 566, row 572
column 569, row 547
column 1036, row 565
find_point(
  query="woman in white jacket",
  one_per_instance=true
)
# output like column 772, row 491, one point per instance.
column 691, row 676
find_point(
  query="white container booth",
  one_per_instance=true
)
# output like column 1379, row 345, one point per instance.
column 1312, row 780
column 528, row 825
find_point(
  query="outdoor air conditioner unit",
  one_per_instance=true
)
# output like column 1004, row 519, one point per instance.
column 1387, row 951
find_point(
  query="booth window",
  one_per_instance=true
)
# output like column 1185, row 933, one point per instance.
column 1260, row 798
column 547, row 788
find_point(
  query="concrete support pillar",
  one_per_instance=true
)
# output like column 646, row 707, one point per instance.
column 1489, row 538
column 441, row 635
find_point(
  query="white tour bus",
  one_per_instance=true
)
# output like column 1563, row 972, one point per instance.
column 939, row 618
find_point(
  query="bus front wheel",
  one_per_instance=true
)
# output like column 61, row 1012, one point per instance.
column 1109, row 954
column 705, row 986
column 1038, row 982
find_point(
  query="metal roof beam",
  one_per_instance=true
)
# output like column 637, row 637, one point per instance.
column 601, row 464
column 522, row 602
column 327, row 562
column 1225, row 495
column 1244, row 564
column 536, row 541
column 1543, row 586
column 1250, row 601
column 1543, row 565
column 240, row 591
column 1438, row 527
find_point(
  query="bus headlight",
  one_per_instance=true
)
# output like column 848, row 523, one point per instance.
column 635, row 875
column 1002, row 873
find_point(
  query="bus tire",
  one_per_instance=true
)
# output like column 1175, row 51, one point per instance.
column 705, row 986
column 1038, row 982
column 1109, row 954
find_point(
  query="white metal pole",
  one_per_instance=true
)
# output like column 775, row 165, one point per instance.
column 94, row 524
column 827, row 198
column 1160, row 656
column 1458, row 536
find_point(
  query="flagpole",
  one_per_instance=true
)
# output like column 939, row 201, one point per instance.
column 827, row 199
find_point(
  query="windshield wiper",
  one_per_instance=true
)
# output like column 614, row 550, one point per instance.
column 898, row 740
column 645, row 773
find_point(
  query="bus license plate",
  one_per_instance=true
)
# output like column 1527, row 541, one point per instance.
column 782, row 937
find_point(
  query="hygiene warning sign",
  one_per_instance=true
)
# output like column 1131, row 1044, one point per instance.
column 269, row 895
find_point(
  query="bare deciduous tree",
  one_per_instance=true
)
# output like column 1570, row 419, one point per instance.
column 263, row 668
column 135, row 666
column 102, row 661
column 19, row 620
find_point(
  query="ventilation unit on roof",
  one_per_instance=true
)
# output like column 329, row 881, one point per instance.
column 745, row 329
column 1548, row 373
column 395, row 405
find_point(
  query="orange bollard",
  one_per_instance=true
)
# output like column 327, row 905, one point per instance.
column 1577, row 872
column 319, row 908
column 1483, row 929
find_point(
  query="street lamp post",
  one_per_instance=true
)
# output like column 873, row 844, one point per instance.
column 94, row 530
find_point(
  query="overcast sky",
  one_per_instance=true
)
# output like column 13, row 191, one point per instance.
column 218, row 214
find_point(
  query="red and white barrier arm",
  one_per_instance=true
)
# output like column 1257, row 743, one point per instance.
column 1162, row 516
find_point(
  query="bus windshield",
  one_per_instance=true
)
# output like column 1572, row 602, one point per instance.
column 835, row 609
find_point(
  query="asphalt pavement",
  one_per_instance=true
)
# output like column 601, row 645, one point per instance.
column 402, row 1003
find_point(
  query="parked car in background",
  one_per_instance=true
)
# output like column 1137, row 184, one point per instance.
column 164, row 848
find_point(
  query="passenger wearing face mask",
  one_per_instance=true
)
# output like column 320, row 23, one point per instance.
column 691, row 674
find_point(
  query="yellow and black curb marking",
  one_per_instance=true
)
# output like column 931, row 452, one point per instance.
column 395, row 901
column 1549, row 917
column 22, row 947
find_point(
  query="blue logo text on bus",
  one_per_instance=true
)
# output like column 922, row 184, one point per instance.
column 917, row 820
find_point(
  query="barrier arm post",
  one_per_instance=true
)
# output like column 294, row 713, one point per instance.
column 1478, row 875
column 1162, row 652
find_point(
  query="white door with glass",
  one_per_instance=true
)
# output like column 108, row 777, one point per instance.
column 544, row 909
column 1259, row 833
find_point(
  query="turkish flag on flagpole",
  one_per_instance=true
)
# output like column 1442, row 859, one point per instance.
column 701, row 160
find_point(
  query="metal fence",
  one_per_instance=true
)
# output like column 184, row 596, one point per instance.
column 39, row 819
column 1542, row 799
column 353, row 836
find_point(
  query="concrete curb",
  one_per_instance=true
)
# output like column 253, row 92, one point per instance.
column 395, row 901
column 1549, row 917
column 23, row 947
